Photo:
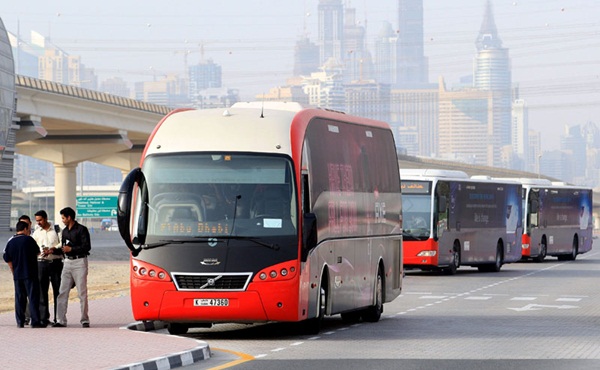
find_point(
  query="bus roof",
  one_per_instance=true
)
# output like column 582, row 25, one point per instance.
column 420, row 172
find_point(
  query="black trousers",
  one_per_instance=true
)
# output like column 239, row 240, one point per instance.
column 49, row 273
column 27, row 288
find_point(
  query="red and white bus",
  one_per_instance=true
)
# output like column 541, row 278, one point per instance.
column 452, row 220
column 557, row 218
column 263, row 212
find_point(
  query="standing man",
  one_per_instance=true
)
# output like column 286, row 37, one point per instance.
column 76, row 247
column 50, row 263
column 21, row 255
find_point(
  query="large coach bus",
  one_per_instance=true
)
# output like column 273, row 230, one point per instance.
column 451, row 220
column 557, row 219
column 262, row 213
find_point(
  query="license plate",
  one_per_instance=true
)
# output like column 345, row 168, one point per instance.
column 211, row 302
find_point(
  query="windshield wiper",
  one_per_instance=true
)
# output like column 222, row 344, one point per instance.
column 175, row 241
column 254, row 240
column 206, row 240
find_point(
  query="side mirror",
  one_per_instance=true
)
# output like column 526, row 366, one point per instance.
column 124, row 204
column 309, row 234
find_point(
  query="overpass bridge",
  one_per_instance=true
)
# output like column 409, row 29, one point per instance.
column 66, row 125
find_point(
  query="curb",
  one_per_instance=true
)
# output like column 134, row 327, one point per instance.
column 171, row 361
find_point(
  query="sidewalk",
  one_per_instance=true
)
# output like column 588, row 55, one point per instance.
column 107, row 344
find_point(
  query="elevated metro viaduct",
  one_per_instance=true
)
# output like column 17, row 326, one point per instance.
column 67, row 125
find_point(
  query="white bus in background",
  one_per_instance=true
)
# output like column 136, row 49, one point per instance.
column 450, row 220
column 557, row 220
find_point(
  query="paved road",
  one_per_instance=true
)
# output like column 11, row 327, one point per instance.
column 528, row 316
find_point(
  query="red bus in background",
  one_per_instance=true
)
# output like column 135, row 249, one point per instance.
column 263, row 212
column 558, row 220
column 451, row 220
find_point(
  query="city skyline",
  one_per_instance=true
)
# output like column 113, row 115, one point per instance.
column 550, row 42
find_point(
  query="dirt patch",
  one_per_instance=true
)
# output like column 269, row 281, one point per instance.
column 105, row 280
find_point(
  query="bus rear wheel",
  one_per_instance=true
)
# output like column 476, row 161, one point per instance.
column 497, row 265
column 543, row 251
column 373, row 313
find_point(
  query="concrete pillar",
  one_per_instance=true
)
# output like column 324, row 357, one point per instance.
column 65, row 189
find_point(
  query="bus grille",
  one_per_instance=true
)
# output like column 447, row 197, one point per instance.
column 212, row 282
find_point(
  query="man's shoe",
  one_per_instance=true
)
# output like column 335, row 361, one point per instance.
column 85, row 325
column 26, row 321
column 20, row 326
column 39, row 325
column 58, row 325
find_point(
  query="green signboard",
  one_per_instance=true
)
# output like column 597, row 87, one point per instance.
column 96, row 207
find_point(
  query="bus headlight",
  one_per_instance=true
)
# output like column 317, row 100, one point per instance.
column 262, row 276
column 427, row 254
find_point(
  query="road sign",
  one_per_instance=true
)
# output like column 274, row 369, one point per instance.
column 96, row 207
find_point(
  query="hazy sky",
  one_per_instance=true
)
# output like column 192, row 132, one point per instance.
column 554, row 45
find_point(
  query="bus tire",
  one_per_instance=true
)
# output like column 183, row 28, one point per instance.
column 455, row 263
column 373, row 313
column 575, row 250
column 543, row 251
column 497, row 265
column 177, row 329
column 313, row 326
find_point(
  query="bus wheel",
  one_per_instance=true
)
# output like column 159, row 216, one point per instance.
column 543, row 250
column 313, row 326
column 575, row 249
column 497, row 265
column 177, row 329
column 373, row 313
column 455, row 263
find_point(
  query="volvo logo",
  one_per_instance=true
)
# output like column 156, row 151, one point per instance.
column 210, row 262
column 211, row 282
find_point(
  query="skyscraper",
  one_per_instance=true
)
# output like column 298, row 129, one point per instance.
column 306, row 57
column 331, row 30
column 492, row 73
column 413, row 66
column 385, row 55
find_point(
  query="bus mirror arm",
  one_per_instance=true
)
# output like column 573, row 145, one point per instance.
column 309, row 234
column 124, row 207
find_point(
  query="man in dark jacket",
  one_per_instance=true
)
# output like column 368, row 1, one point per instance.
column 21, row 255
column 76, row 247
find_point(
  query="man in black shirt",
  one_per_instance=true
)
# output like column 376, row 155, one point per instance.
column 21, row 255
column 76, row 247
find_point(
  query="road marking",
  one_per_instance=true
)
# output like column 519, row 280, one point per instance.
column 433, row 297
column 244, row 357
column 478, row 298
column 568, row 299
column 537, row 307
column 523, row 298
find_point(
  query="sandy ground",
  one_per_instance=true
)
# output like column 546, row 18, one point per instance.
column 105, row 279
column 108, row 274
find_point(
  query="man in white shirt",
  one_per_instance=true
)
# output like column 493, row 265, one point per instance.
column 50, row 263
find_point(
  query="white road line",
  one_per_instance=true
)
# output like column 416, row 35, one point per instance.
column 478, row 298
column 523, row 298
column 568, row 299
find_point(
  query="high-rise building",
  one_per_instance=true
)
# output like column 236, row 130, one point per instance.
column 204, row 75
column 492, row 73
column 170, row 91
column 306, row 57
column 534, row 139
column 368, row 99
column 466, row 126
column 573, row 142
column 413, row 66
column 115, row 86
column 331, row 30
column 325, row 89
column 416, row 111
column 357, row 59
column 386, row 55
column 520, row 132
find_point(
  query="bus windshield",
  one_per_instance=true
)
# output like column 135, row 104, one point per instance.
column 416, row 216
column 219, row 195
